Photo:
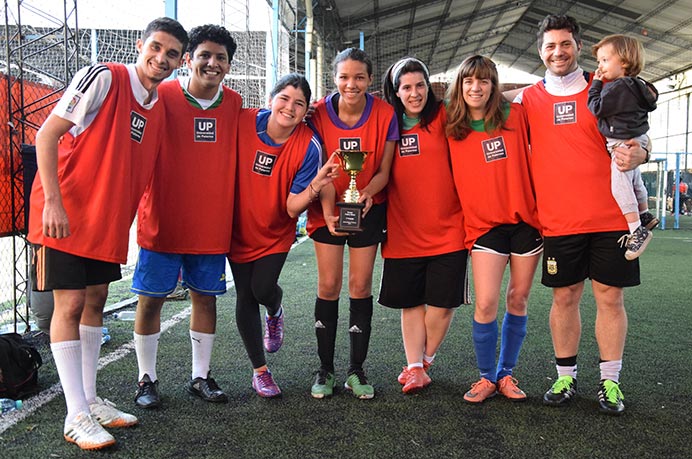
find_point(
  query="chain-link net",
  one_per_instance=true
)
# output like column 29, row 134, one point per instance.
column 40, row 51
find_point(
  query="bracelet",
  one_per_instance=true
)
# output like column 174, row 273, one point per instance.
column 648, row 154
column 315, row 192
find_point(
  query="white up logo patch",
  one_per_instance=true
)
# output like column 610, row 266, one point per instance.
column 205, row 129
column 137, row 125
column 409, row 145
column 565, row 113
column 264, row 163
column 494, row 149
column 350, row 144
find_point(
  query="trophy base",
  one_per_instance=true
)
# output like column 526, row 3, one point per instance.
column 350, row 214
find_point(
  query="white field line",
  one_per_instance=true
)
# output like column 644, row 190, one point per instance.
column 31, row 405
column 34, row 403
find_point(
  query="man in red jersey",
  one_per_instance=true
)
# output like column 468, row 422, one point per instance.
column 188, row 226
column 580, row 228
column 95, row 154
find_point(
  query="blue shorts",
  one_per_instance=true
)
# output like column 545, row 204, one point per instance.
column 156, row 273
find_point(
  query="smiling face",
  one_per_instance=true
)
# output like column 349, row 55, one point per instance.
column 413, row 93
column 288, row 107
column 559, row 51
column 209, row 65
column 158, row 57
column 352, row 80
column 476, row 92
column 610, row 66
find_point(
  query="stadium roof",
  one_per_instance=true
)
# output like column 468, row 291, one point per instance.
column 443, row 32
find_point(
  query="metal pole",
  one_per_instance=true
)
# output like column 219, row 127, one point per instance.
column 171, row 11
column 274, row 73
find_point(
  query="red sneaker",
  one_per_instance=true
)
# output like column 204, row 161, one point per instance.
column 403, row 376
column 417, row 380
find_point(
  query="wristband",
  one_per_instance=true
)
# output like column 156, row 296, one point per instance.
column 648, row 155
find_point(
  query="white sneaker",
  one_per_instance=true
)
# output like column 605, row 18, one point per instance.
column 87, row 433
column 105, row 412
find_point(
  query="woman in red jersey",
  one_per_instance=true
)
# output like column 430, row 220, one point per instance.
column 280, row 163
column 424, row 255
column 489, row 149
column 350, row 119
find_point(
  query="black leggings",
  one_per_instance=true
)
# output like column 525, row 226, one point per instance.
column 255, row 284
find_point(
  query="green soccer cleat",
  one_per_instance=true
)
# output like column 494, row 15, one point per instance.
column 358, row 384
column 324, row 384
column 610, row 398
column 562, row 391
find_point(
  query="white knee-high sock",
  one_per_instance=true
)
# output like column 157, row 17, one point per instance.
column 147, row 348
column 202, row 345
column 68, row 361
column 90, row 337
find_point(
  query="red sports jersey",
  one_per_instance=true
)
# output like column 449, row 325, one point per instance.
column 188, row 207
column 492, row 177
column 262, row 225
column 570, row 165
column 103, row 173
column 423, row 213
column 370, row 136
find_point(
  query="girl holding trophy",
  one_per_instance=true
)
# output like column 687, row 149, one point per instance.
column 424, row 256
column 488, row 142
column 362, row 129
column 278, row 160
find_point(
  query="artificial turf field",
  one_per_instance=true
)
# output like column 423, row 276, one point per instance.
column 436, row 423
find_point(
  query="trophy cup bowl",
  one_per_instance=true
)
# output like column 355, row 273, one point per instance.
column 352, row 162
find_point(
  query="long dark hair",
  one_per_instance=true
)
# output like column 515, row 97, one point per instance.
column 390, row 85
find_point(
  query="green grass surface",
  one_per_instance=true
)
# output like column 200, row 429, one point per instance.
column 436, row 423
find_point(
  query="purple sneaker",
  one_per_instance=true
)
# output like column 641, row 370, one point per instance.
column 264, row 385
column 273, row 332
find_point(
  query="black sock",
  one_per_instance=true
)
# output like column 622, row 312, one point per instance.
column 566, row 361
column 359, row 331
column 326, row 317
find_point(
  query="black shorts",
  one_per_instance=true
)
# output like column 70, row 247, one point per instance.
column 519, row 239
column 374, row 230
column 568, row 260
column 440, row 280
column 52, row 269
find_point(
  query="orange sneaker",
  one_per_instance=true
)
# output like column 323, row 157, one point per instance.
column 403, row 376
column 507, row 386
column 417, row 380
column 480, row 391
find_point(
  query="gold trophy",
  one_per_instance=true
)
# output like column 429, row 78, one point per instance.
column 350, row 210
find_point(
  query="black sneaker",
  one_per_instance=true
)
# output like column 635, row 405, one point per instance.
column 147, row 393
column 562, row 391
column 636, row 242
column 207, row 390
column 648, row 220
column 610, row 398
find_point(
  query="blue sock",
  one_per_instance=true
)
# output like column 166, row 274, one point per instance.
column 513, row 333
column 485, row 342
